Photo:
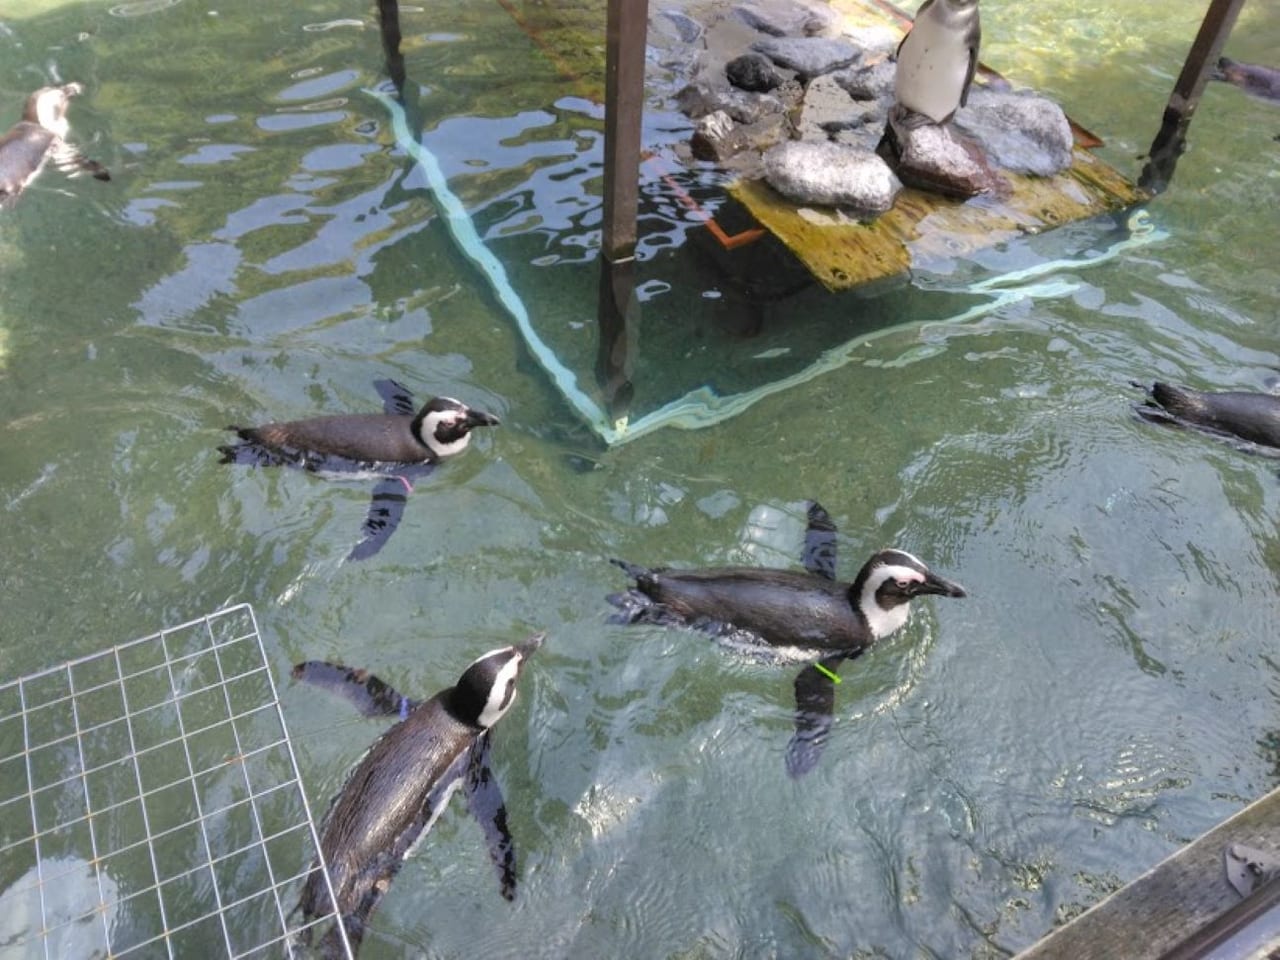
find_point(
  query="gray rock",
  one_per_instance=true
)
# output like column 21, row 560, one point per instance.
column 1020, row 132
column 930, row 156
column 873, row 40
column 825, row 102
column 820, row 23
column 753, row 72
column 718, row 139
column 808, row 56
column 831, row 175
column 759, row 22
column 686, row 28
column 874, row 82
column 700, row 99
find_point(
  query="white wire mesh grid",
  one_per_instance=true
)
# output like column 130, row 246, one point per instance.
column 150, row 802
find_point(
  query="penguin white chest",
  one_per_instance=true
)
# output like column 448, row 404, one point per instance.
column 933, row 68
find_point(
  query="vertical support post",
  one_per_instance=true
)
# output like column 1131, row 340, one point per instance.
column 389, row 27
column 624, row 105
column 1171, row 141
column 618, row 310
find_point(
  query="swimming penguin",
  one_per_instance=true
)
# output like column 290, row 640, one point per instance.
column 1252, row 417
column 396, row 793
column 937, row 59
column 1253, row 78
column 397, row 444
column 808, row 612
column 40, row 136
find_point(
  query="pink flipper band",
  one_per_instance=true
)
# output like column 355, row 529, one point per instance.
column 408, row 487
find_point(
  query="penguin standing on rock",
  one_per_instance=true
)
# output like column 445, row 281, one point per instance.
column 937, row 59
column 395, row 794
column 398, row 444
column 41, row 136
column 810, row 614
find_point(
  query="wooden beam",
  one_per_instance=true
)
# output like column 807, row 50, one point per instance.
column 1171, row 140
column 624, row 106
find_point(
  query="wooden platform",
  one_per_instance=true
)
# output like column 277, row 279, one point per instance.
column 923, row 227
column 1179, row 908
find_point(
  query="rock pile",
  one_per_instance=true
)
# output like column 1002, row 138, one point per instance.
column 806, row 105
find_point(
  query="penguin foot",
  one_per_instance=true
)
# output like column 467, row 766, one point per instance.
column 634, row 607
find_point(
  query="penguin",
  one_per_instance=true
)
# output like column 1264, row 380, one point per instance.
column 1253, row 78
column 38, row 137
column 1251, row 417
column 397, row 792
column 937, row 59
column 398, row 445
column 809, row 614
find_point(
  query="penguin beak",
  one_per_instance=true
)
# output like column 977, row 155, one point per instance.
column 527, row 648
column 478, row 418
column 941, row 586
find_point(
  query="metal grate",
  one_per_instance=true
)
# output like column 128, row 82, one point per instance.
column 150, row 803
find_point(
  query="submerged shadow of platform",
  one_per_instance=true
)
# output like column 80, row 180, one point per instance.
column 708, row 322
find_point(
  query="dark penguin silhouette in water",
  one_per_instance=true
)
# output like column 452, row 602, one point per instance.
column 38, row 137
column 398, row 445
column 1233, row 415
column 811, row 613
column 1253, row 78
column 396, row 793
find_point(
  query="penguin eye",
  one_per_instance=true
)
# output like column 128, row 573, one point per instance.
column 902, row 584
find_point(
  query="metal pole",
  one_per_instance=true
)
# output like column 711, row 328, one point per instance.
column 1171, row 141
column 624, row 105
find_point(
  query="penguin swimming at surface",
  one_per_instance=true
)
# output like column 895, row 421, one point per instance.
column 395, row 794
column 38, row 137
column 937, row 59
column 1253, row 78
column 810, row 613
column 398, row 445
column 1241, row 415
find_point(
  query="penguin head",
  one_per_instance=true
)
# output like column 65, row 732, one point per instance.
column 885, row 585
column 487, row 688
column 48, row 107
column 444, row 425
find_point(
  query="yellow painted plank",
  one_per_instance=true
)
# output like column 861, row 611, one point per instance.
column 924, row 227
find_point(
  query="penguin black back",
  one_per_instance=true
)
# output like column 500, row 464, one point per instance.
column 442, row 428
column 394, row 795
column 1252, row 417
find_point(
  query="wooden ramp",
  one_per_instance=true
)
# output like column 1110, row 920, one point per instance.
column 1184, row 907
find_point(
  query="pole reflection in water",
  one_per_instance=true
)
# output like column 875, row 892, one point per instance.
column 618, row 318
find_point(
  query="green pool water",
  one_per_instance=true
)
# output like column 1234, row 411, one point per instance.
column 264, row 250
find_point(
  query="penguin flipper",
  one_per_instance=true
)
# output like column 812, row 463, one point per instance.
column 396, row 397
column 968, row 77
column 368, row 694
column 484, row 800
column 386, row 508
column 73, row 163
column 819, row 556
column 815, row 712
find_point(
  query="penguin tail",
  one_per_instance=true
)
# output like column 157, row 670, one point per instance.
column 635, row 607
column 634, row 572
column 1176, row 400
column 251, row 453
